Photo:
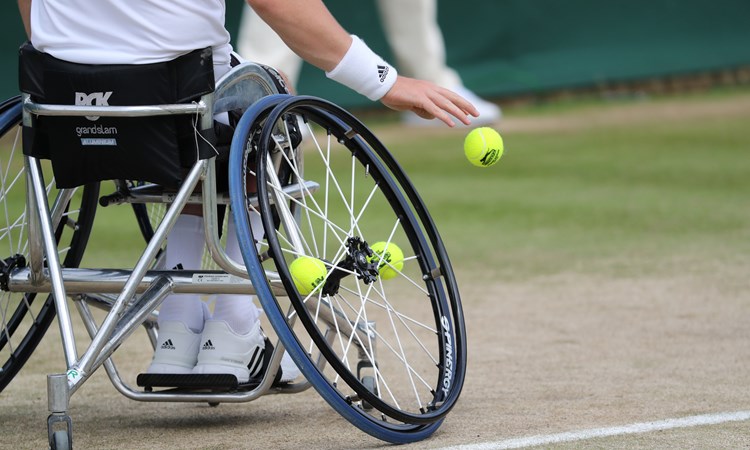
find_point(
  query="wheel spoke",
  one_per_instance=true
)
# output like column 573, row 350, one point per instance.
column 369, row 334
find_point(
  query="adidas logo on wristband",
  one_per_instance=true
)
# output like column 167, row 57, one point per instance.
column 355, row 71
column 382, row 73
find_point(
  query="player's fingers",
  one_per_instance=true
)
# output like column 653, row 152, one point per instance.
column 458, row 112
column 465, row 105
column 422, row 113
column 443, row 116
column 445, row 107
column 429, row 101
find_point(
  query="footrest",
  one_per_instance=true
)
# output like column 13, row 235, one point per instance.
column 213, row 382
column 220, row 382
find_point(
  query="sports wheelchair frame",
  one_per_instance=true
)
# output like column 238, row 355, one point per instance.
column 387, row 354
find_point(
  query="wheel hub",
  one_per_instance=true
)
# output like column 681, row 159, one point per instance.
column 7, row 266
column 358, row 260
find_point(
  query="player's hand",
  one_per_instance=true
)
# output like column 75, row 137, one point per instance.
column 429, row 101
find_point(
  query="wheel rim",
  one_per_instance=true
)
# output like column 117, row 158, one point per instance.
column 420, row 350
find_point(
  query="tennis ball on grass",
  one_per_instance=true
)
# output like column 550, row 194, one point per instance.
column 390, row 254
column 307, row 273
column 483, row 146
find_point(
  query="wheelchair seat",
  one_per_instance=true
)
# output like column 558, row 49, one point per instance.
column 139, row 134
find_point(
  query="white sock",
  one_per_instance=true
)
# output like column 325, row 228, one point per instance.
column 233, row 245
column 185, row 246
column 237, row 310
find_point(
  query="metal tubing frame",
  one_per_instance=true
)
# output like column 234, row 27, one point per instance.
column 152, row 193
column 42, row 215
column 112, row 281
column 211, row 221
column 237, row 397
column 39, row 109
column 135, row 315
column 36, row 250
column 36, row 246
column 123, row 317
column 82, row 369
column 211, row 226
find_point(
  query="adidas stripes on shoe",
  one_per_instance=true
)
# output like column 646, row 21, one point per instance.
column 176, row 350
column 222, row 351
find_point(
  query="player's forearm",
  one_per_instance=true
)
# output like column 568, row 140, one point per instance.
column 24, row 6
column 308, row 28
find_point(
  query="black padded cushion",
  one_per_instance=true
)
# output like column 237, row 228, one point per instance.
column 85, row 149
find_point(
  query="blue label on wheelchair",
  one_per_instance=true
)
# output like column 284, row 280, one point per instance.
column 99, row 141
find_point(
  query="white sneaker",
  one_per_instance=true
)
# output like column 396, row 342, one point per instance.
column 176, row 350
column 489, row 112
column 224, row 351
column 289, row 370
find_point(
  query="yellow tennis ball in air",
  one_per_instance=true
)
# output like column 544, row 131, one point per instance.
column 307, row 273
column 390, row 253
column 483, row 146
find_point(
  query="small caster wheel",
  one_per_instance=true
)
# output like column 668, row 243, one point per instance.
column 60, row 440
column 213, row 404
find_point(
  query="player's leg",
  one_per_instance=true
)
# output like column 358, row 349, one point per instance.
column 228, row 341
column 181, row 316
column 232, row 340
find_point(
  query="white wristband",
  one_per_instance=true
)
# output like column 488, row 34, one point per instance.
column 362, row 70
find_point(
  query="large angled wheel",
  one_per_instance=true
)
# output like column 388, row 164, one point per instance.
column 25, row 317
column 382, row 336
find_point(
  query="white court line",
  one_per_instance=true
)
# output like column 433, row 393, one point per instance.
column 643, row 427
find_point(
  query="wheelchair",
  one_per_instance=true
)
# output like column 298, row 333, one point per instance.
column 387, row 353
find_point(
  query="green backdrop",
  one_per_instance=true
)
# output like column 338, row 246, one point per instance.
column 510, row 47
